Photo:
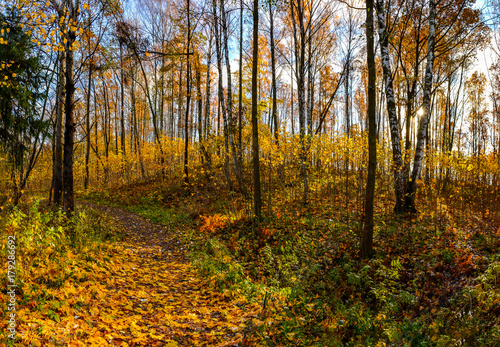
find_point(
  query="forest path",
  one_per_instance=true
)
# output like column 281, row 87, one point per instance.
column 155, row 298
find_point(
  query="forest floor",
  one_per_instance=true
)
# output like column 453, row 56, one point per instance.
column 158, row 264
column 138, row 290
column 433, row 281
column 156, row 298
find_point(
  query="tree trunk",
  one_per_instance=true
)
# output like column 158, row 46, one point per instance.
column 348, row 64
column 292, row 118
column 234, row 152
column 310, row 92
column 107, row 136
column 208, row 85
column 57, row 172
column 117, row 119
column 410, row 100
column 69, row 126
column 199, row 101
column 424, row 122
column 300, row 47
column 135, row 127
column 162, row 97
column 122, row 103
column 206, row 126
column 273, row 74
column 274, row 111
column 240, row 88
column 257, row 199
column 96, row 120
column 87, row 129
column 367, row 240
column 188, row 100
column 346, row 111
column 221, row 95
column 399, row 183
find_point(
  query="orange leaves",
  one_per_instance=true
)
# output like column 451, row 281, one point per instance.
column 211, row 224
column 266, row 232
column 265, row 235
column 139, row 299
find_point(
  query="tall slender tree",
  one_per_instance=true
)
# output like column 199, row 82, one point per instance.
column 274, row 110
column 397, row 159
column 257, row 199
column 57, row 172
column 229, row 100
column 367, row 240
column 298, row 14
column 424, row 121
column 72, row 7
column 188, row 97
column 218, row 50
column 240, row 87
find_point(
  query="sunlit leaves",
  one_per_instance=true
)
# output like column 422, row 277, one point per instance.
column 110, row 294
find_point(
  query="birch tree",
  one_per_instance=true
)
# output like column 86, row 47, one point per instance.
column 424, row 120
column 397, row 165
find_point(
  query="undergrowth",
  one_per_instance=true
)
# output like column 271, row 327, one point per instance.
column 433, row 282
column 55, row 258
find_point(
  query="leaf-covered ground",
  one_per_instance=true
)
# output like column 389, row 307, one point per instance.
column 293, row 279
column 154, row 295
column 434, row 280
column 139, row 292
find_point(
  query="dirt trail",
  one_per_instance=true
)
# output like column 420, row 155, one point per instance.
column 149, row 235
column 154, row 297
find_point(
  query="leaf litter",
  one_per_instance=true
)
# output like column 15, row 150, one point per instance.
column 141, row 291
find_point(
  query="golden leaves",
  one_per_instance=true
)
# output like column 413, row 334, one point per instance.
column 124, row 295
column 40, row 18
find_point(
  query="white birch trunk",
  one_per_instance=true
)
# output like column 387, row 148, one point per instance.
column 424, row 121
column 391, row 110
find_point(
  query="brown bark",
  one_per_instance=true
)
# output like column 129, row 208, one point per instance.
column 134, row 121
column 367, row 237
column 57, row 171
column 122, row 103
column 188, row 100
column 87, row 129
column 299, row 34
column 69, row 126
column 240, row 87
column 257, row 199
column 273, row 74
